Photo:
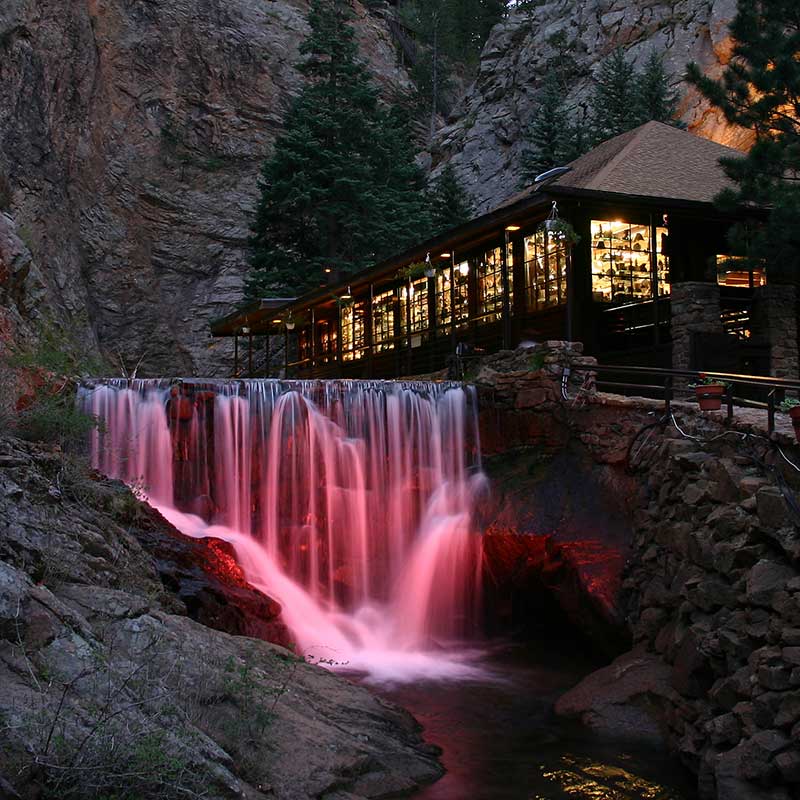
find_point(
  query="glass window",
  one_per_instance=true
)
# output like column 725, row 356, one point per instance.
column 304, row 344
column 546, row 257
column 326, row 336
column 459, row 297
column 383, row 321
column 736, row 271
column 352, row 316
column 414, row 302
column 490, row 285
column 622, row 266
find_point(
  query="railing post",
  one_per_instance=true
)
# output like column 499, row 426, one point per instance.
column 771, row 412
column 729, row 401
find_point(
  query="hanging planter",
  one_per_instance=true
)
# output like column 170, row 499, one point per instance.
column 709, row 392
column 791, row 407
column 559, row 228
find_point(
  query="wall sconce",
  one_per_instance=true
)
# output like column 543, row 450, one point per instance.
column 290, row 323
column 245, row 331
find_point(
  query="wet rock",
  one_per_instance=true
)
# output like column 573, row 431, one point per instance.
column 758, row 753
column 773, row 513
column 765, row 579
column 626, row 699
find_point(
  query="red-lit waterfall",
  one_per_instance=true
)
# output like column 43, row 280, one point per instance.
column 351, row 502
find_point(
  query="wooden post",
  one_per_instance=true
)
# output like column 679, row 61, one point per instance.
column 434, row 338
column 285, row 352
column 235, row 355
column 250, row 354
column 453, row 304
column 506, row 297
column 408, row 325
column 370, row 334
column 339, row 359
column 313, row 341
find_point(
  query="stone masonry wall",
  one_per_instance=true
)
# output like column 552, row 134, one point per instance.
column 711, row 588
column 695, row 310
column 775, row 318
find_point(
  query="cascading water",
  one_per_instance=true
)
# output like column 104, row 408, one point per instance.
column 351, row 502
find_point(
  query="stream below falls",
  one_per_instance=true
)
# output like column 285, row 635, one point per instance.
column 501, row 741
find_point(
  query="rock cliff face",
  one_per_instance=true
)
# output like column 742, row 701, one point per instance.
column 121, row 676
column 132, row 133
column 131, row 137
column 484, row 139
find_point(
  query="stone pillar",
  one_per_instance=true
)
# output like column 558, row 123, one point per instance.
column 774, row 318
column 695, row 309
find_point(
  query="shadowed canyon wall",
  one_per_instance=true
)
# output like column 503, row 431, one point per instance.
column 132, row 133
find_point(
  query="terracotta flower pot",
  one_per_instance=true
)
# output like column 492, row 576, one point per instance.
column 794, row 415
column 709, row 396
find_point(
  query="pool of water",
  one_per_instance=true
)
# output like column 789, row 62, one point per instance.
column 501, row 741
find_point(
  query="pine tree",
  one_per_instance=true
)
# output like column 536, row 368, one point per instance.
column 550, row 134
column 450, row 204
column 340, row 188
column 759, row 91
column 614, row 105
column 656, row 99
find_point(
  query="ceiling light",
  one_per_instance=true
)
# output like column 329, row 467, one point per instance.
column 512, row 228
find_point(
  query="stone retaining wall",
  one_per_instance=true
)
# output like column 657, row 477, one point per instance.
column 711, row 589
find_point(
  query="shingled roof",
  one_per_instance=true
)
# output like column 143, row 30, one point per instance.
column 653, row 160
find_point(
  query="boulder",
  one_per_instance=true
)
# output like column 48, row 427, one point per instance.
column 626, row 699
column 765, row 579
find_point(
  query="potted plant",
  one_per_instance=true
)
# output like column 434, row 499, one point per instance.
column 791, row 406
column 709, row 392
column 562, row 230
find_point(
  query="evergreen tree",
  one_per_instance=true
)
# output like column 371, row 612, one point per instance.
column 340, row 188
column 614, row 106
column 550, row 134
column 656, row 100
column 450, row 205
column 759, row 91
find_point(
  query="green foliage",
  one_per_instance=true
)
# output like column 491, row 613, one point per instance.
column 614, row 108
column 788, row 404
column 624, row 98
column 758, row 91
column 552, row 138
column 340, row 189
column 55, row 419
column 656, row 99
column 449, row 203
column 49, row 363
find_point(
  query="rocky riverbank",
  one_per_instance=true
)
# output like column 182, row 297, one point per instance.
column 710, row 588
column 128, row 669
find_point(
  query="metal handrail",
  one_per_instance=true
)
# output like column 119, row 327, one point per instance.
column 777, row 386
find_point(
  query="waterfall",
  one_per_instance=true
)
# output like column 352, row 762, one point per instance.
column 351, row 502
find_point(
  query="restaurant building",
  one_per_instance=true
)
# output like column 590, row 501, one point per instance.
column 623, row 249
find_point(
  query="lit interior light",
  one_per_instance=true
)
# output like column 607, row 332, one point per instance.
column 327, row 269
column 463, row 268
column 444, row 255
column 277, row 321
column 347, row 294
column 512, row 228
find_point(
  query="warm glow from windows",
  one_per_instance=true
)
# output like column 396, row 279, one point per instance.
column 735, row 271
column 545, row 270
column 629, row 262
